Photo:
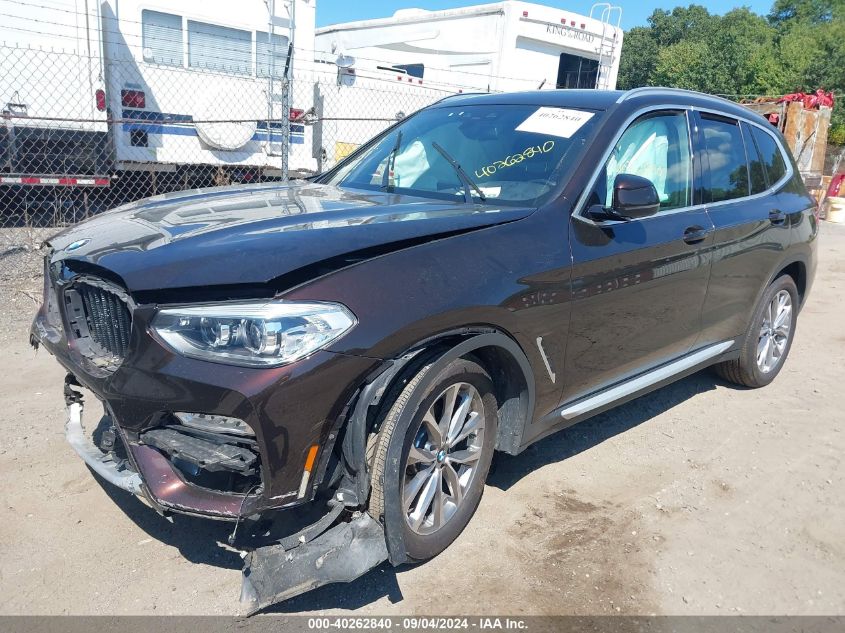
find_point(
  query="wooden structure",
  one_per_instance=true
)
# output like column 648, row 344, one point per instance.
column 805, row 131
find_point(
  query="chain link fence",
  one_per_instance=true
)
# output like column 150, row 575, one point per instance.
column 82, row 134
column 127, row 111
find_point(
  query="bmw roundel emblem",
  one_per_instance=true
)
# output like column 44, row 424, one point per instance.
column 77, row 244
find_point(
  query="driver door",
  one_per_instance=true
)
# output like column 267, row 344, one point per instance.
column 638, row 286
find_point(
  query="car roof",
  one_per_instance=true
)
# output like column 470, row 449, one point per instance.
column 607, row 99
column 587, row 99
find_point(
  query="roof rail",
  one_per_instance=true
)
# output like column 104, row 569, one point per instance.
column 634, row 92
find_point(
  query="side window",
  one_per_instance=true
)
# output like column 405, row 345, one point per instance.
column 161, row 37
column 219, row 48
column 772, row 157
column 756, row 167
column 655, row 146
column 726, row 157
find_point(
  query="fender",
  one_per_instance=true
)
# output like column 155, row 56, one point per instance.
column 510, row 433
column 514, row 414
column 793, row 258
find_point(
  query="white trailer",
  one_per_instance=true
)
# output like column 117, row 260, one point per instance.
column 503, row 46
column 205, row 81
column 97, row 89
column 53, row 122
column 417, row 56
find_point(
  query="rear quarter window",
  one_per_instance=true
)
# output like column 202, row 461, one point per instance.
column 770, row 153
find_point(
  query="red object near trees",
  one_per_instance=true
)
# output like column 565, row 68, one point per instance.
column 812, row 100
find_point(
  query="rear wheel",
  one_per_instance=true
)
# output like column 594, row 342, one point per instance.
column 444, row 450
column 769, row 337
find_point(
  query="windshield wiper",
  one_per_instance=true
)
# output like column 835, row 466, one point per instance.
column 468, row 184
column 386, row 184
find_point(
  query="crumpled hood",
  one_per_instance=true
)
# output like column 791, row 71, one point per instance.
column 256, row 233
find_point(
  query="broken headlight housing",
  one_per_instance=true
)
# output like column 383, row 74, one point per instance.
column 254, row 334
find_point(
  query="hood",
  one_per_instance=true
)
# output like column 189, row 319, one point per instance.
column 254, row 234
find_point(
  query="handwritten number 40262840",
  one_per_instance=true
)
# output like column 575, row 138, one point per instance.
column 514, row 159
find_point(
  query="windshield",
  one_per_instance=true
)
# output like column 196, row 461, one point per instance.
column 496, row 153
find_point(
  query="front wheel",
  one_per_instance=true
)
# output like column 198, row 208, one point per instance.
column 769, row 337
column 444, row 450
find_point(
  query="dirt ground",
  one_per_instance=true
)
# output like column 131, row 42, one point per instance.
column 700, row 498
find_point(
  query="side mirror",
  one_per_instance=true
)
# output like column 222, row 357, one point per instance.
column 634, row 197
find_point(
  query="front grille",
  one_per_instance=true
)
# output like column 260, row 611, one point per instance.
column 108, row 319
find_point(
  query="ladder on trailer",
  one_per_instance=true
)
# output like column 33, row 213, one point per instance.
column 605, row 12
column 279, row 83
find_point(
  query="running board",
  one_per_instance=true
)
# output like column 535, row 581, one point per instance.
column 643, row 381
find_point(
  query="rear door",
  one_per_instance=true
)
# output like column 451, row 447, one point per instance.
column 638, row 285
column 751, row 225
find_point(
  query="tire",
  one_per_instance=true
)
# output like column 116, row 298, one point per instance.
column 435, row 467
column 747, row 370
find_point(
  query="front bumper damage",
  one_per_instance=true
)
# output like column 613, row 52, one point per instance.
column 341, row 545
column 341, row 554
column 106, row 465
column 295, row 489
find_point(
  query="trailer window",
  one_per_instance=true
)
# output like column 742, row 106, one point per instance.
column 161, row 34
column 414, row 70
column 271, row 53
column 576, row 72
column 219, row 48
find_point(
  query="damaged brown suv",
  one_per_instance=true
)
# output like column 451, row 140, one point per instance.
column 332, row 364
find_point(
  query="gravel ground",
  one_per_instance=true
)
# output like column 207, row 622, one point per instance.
column 700, row 498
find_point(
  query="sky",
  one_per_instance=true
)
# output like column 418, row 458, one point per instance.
column 633, row 13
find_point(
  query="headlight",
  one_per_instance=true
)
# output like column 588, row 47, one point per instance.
column 256, row 334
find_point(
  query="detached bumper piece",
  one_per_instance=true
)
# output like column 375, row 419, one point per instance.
column 106, row 465
column 345, row 552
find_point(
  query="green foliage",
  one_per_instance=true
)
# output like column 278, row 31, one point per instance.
column 800, row 45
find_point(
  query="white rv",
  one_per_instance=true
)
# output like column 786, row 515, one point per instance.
column 203, row 81
column 93, row 92
column 504, row 46
column 417, row 56
column 52, row 90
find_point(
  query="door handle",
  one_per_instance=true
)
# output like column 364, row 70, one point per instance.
column 695, row 234
column 777, row 217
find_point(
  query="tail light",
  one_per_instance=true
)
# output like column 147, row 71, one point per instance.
column 133, row 98
column 100, row 99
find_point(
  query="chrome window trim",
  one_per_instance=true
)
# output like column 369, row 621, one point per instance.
column 580, row 204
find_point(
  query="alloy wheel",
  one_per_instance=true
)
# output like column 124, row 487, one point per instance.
column 774, row 332
column 443, row 458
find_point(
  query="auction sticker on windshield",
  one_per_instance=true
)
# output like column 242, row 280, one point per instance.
column 555, row 121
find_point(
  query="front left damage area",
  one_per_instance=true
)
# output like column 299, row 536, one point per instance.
column 286, row 552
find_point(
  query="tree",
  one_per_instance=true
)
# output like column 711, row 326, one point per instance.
column 800, row 45
column 787, row 12
column 639, row 58
column 682, row 23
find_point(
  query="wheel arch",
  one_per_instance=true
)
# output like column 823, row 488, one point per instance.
column 496, row 351
column 797, row 269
